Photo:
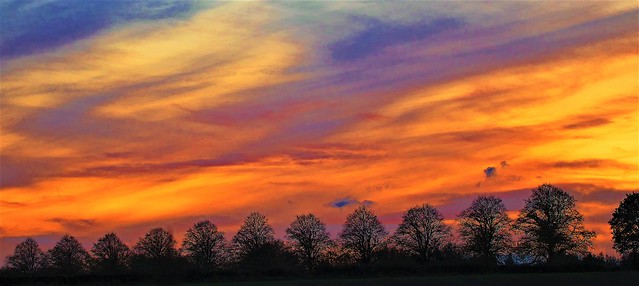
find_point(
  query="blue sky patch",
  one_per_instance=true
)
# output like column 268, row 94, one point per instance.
column 379, row 35
column 37, row 26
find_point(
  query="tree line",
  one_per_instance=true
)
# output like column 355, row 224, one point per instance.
column 549, row 231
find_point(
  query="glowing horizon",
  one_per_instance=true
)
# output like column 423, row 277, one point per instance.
column 124, row 117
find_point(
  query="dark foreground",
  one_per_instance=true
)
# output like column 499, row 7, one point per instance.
column 616, row 278
column 532, row 279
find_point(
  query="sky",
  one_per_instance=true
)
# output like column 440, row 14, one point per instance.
column 127, row 115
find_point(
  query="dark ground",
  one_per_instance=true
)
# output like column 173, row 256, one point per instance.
column 532, row 279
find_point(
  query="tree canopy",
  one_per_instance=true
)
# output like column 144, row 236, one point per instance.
column 156, row 244
column 551, row 226
column 110, row 253
column 484, row 228
column 625, row 226
column 550, row 230
column 27, row 257
column 363, row 234
column 203, row 245
column 422, row 232
column 309, row 238
column 254, row 233
column 68, row 256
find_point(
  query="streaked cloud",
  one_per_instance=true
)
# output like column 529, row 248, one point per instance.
column 41, row 26
column 588, row 123
column 173, row 111
column 378, row 36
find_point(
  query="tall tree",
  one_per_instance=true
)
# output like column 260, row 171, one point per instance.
column 203, row 245
column 110, row 253
column 422, row 232
column 485, row 228
column 309, row 238
column 254, row 233
column 68, row 256
column 363, row 234
column 551, row 226
column 27, row 257
column 157, row 244
column 625, row 227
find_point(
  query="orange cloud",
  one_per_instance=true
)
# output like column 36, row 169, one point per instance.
column 229, row 111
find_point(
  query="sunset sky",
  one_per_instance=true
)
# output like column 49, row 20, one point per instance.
column 123, row 116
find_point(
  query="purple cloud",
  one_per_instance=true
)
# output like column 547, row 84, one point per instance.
column 380, row 35
column 490, row 172
column 349, row 201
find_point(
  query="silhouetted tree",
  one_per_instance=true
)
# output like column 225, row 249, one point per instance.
column 203, row 245
column 157, row 244
column 27, row 257
column 625, row 228
column 363, row 234
column 110, row 253
column 254, row 233
column 422, row 232
column 485, row 228
column 309, row 238
column 273, row 258
column 68, row 256
column 551, row 226
column 335, row 256
column 155, row 254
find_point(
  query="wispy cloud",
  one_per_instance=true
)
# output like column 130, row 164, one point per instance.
column 169, row 112
column 37, row 27
column 588, row 123
column 348, row 201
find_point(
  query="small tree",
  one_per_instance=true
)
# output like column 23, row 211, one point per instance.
column 68, row 256
column 485, row 228
column 156, row 244
column 203, row 245
column 551, row 226
column 363, row 234
column 422, row 232
column 625, row 228
column 27, row 257
column 309, row 238
column 254, row 233
column 110, row 253
column 155, row 253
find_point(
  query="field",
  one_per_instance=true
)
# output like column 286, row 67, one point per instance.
column 534, row 279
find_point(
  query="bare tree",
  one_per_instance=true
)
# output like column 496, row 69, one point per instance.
column 625, row 227
column 254, row 233
column 551, row 226
column 485, row 228
column 156, row 244
column 110, row 253
column 27, row 257
column 309, row 238
column 422, row 232
column 68, row 256
column 363, row 234
column 203, row 245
